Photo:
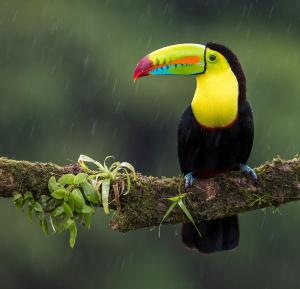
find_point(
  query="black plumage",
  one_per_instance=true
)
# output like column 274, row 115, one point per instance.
column 206, row 152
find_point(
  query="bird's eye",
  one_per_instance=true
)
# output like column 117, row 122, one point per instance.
column 212, row 58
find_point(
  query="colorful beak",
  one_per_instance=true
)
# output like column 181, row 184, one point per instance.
column 180, row 59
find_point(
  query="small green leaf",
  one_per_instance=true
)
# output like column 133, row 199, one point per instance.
column 82, row 159
column 44, row 226
column 19, row 203
column 39, row 215
column 87, row 210
column 73, row 234
column 69, row 188
column 98, row 184
column 17, row 196
column 60, row 194
column 60, row 222
column 188, row 214
column 129, row 167
column 67, row 209
column 177, row 198
column 90, row 192
column 52, row 224
column 78, row 198
column 168, row 212
column 38, row 207
column 105, row 194
column 28, row 196
column 108, row 157
column 58, row 211
column 52, row 204
column 80, row 178
column 67, row 179
column 71, row 202
column 105, row 175
column 68, row 222
column 115, row 167
column 29, row 213
column 45, row 198
column 87, row 220
column 53, row 185
column 128, row 183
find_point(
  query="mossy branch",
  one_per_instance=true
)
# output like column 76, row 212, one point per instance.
column 146, row 204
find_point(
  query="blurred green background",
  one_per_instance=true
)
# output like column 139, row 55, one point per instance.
column 66, row 88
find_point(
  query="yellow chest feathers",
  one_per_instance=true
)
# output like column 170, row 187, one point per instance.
column 215, row 103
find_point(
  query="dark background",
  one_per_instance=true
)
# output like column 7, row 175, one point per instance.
column 66, row 88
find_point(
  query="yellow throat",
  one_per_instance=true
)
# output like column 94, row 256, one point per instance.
column 215, row 103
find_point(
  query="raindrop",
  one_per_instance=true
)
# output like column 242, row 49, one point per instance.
column 67, row 84
column 250, row 9
column 71, row 128
column 86, row 61
column 166, row 8
column 170, row 115
column 263, row 220
column 148, row 43
column 248, row 33
column 244, row 10
column 271, row 11
column 289, row 28
column 94, row 126
column 32, row 131
column 118, row 107
column 115, row 85
column 238, row 26
column 53, row 69
column 15, row 16
column 54, row 26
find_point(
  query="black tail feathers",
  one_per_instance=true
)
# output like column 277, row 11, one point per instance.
column 216, row 235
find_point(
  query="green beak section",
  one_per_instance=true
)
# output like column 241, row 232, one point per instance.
column 180, row 59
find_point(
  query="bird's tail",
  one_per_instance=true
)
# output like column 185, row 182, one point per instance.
column 216, row 235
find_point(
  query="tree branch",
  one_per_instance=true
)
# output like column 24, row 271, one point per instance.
column 146, row 204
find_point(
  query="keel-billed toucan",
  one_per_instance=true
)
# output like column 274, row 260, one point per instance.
column 215, row 132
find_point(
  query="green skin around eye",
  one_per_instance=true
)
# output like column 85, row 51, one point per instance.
column 212, row 58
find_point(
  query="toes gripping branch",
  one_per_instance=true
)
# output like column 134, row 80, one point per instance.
column 189, row 179
column 248, row 171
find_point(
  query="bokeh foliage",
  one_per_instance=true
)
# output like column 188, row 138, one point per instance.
column 66, row 88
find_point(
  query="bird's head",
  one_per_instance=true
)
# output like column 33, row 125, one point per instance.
column 187, row 59
column 221, row 83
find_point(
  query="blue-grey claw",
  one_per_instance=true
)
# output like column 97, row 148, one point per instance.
column 189, row 179
column 249, row 171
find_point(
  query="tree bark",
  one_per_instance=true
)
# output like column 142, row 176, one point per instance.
column 147, row 203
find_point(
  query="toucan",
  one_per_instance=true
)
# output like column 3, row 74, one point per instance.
column 215, row 132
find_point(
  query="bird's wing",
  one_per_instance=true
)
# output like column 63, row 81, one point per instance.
column 187, row 144
column 246, row 132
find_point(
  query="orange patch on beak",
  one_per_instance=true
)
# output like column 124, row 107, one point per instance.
column 187, row 60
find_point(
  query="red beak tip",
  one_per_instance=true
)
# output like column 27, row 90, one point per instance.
column 135, row 76
column 142, row 68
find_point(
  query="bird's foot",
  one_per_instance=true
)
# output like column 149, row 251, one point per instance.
column 249, row 171
column 189, row 179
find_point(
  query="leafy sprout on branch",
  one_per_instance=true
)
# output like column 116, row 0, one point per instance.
column 103, row 176
column 72, row 198
column 178, row 200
